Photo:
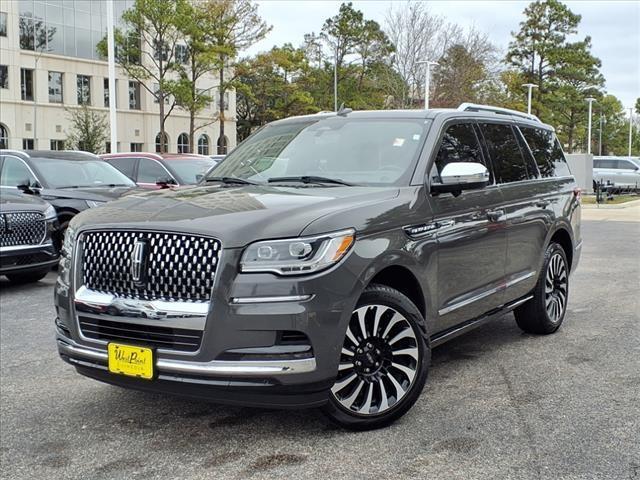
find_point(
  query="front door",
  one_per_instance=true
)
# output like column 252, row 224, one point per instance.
column 471, row 235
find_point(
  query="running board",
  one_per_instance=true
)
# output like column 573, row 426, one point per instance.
column 464, row 327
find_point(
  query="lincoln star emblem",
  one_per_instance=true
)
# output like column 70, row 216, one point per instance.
column 138, row 262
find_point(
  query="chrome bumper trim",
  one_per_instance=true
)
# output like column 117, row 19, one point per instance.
column 274, row 299
column 19, row 248
column 253, row 368
column 186, row 315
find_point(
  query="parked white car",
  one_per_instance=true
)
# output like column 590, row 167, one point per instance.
column 622, row 172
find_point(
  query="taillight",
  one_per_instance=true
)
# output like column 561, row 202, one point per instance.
column 577, row 192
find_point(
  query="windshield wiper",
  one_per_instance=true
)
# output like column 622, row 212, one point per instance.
column 230, row 180
column 310, row 179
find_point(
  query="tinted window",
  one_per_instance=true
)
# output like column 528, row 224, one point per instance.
column 190, row 170
column 542, row 145
column 61, row 173
column 149, row 171
column 624, row 164
column 505, row 152
column 357, row 150
column 125, row 165
column 15, row 172
column 557, row 158
column 459, row 144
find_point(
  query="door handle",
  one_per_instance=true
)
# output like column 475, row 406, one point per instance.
column 494, row 215
column 543, row 203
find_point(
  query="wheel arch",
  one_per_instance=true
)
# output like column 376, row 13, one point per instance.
column 562, row 236
column 402, row 279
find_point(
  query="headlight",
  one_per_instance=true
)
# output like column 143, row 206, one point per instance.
column 297, row 256
column 50, row 213
column 94, row 203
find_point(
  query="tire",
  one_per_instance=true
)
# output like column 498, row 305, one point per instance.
column 544, row 313
column 28, row 277
column 382, row 370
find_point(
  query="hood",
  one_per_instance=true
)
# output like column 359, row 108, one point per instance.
column 13, row 200
column 236, row 215
column 98, row 194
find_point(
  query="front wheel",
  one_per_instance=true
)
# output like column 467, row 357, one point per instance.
column 383, row 362
column 544, row 313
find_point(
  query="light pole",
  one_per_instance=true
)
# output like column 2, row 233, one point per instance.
column 427, row 80
column 590, row 100
column 529, row 86
column 113, row 126
column 630, row 128
column 335, row 81
column 600, row 134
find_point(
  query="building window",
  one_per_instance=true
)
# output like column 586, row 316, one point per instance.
column 134, row 95
column 57, row 144
column 225, row 105
column 55, row 87
column 203, row 145
column 135, row 147
column 156, row 89
column 84, row 90
column 27, row 143
column 223, row 142
column 3, row 24
column 4, row 76
column 157, row 48
column 161, row 147
column 106, row 93
column 4, row 137
column 182, row 54
column 183, row 143
column 26, row 84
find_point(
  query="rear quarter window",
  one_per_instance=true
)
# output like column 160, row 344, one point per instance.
column 547, row 152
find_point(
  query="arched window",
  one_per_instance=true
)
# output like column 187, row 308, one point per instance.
column 203, row 144
column 162, row 147
column 183, row 143
column 223, row 142
column 4, row 137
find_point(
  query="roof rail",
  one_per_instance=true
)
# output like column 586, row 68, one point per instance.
column 10, row 150
column 473, row 107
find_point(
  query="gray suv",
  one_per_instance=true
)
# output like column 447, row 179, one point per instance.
column 320, row 263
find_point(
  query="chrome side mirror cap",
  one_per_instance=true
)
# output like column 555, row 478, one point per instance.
column 458, row 176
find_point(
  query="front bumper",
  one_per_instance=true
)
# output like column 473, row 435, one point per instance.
column 240, row 359
column 26, row 258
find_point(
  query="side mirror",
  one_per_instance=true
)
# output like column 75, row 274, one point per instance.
column 165, row 182
column 25, row 186
column 458, row 176
column 199, row 176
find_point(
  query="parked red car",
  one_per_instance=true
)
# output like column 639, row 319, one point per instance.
column 154, row 170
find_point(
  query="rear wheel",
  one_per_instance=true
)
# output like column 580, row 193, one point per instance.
column 544, row 313
column 27, row 277
column 383, row 363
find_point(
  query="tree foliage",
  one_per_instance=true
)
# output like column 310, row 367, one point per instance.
column 89, row 130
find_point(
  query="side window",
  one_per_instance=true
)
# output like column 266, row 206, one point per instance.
column 505, row 152
column 459, row 144
column 557, row 158
column 125, row 165
column 15, row 172
column 626, row 165
column 149, row 171
column 542, row 146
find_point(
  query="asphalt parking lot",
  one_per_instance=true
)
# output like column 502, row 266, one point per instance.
column 498, row 403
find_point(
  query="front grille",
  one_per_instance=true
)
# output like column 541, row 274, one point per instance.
column 176, row 266
column 22, row 228
column 144, row 335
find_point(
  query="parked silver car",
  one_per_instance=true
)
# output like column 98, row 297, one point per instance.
column 623, row 172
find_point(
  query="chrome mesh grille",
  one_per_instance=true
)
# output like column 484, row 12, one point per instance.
column 22, row 228
column 178, row 267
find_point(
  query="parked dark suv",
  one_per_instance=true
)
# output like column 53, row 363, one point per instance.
column 320, row 263
column 27, row 227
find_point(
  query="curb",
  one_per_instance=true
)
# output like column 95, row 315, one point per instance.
column 595, row 206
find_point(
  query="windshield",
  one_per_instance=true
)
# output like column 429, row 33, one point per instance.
column 59, row 173
column 190, row 170
column 357, row 151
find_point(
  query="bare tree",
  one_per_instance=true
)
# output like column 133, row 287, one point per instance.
column 417, row 35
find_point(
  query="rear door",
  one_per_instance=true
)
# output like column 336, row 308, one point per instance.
column 470, row 234
column 527, row 198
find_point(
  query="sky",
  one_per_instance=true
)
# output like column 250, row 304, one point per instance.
column 614, row 27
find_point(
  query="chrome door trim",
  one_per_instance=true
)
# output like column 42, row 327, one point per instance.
column 485, row 293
